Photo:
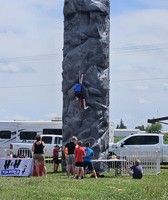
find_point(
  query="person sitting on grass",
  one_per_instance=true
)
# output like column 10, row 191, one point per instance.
column 136, row 170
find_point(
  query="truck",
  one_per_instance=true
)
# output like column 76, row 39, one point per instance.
column 141, row 142
column 24, row 149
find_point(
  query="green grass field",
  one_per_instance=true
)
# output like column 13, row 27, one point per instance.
column 58, row 186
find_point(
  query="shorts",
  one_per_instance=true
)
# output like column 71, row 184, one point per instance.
column 78, row 94
column 89, row 165
column 70, row 159
column 79, row 164
column 56, row 161
column 39, row 157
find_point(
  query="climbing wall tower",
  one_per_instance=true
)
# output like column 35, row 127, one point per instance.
column 86, row 51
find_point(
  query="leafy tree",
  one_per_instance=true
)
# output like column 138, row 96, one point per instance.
column 166, row 138
column 141, row 128
column 121, row 126
column 154, row 128
column 117, row 127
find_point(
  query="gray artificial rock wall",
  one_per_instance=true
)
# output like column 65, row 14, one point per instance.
column 86, row 51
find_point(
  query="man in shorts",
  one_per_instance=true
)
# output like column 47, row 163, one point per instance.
column 79, row 155
column 88, row 159
column 70, row 148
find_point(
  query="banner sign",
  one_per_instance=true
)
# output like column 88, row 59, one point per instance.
column 16, row 166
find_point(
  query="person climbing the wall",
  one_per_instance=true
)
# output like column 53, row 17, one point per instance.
column 79, row 94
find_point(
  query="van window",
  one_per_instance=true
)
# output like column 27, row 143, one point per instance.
column 52, row 131
column 5, row 134
column 27, row 135
column 47, row 140
column 58, row 140
column 142, row 140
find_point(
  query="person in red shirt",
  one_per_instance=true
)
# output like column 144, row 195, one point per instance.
column 79, row 155
column 55, row 158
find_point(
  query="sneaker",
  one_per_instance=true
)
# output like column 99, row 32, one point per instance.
column 81, row 177
column 104, row 106
column 77, row 177
column 85, row 108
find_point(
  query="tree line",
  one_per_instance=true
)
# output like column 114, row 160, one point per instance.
column 153, row 128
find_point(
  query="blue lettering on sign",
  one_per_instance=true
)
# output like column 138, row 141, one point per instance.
column 10, row 172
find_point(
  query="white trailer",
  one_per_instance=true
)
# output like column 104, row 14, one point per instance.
column 26, row 131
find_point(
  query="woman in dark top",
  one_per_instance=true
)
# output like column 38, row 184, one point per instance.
column 38, row 156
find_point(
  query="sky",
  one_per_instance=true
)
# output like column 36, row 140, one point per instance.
column 31, row 41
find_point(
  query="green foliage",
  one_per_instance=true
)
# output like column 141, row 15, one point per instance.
column 121, row 126
column 59, row 187
column 116, row 139
column 154, row 128
column 141, row 128
column 166, row 138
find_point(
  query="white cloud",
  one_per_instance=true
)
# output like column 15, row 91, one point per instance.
column 15, row 68
column 143, row 101
column 2, row 110
column 134, row 33
column 51, row 116
column 165, row 87
column 126, row 68
column 35, row 27
column 141, row 88
column 19, row 117
column 139, row 28
column 30, row 28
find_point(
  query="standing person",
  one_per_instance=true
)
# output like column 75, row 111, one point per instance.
column 79, row 155
column 136, row 170
column 55, row 158
column 88, row 159
column 69, row 150
column 38, row 156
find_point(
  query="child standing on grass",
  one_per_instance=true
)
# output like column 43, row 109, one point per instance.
column 79, row 155
column 88, row 159
column 55, row 158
